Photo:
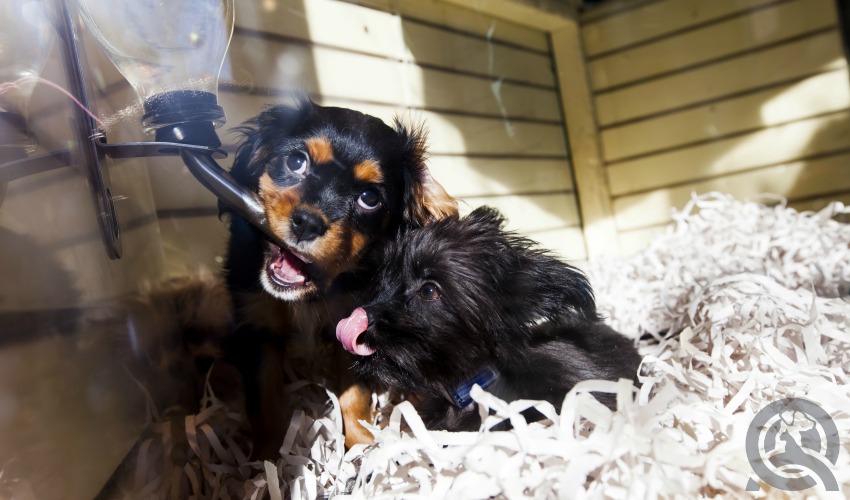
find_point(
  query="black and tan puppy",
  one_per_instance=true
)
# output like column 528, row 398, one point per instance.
column 461, row 301
column 334, row 183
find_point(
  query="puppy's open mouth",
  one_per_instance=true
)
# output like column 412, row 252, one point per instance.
column 286, row 268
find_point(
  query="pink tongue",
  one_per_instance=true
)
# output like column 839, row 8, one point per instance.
column 290, row 269
column 350, row 328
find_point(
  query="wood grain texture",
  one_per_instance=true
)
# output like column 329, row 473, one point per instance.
column 566, row 243
column 448, row 134
column 809, row 56
column 341, row 25
column 820, row 94
column 254, row 62
column 522, row 12
column 781, row 144
column 531, row 212
column 462, row 19
column 464, row 177
column 657, row 19
column 819, row 203
column 737, row 35
column 635, row 240
column 804, row 179
column 610, row 8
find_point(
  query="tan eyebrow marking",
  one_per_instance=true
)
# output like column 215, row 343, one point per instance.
column 368, row 171
column 320, row 149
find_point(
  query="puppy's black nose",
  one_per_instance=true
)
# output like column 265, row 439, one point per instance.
column 306, row 225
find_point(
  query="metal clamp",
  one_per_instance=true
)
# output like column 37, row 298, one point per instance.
column 148, row 149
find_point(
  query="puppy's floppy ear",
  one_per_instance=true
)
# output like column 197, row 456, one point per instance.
column 425, row 200
column 553, row 288
column 550, row 288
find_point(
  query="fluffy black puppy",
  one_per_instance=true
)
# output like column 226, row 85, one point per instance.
column 461, row 301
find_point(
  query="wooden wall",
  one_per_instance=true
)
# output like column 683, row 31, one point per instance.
column 484, row 87
column 663, row 98
column 740, row 96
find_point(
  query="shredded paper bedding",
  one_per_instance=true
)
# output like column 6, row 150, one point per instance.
column 736, row 306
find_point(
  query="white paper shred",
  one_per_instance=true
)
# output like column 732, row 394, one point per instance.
column 736, row 306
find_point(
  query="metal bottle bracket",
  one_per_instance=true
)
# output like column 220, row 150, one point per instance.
column 94, row 151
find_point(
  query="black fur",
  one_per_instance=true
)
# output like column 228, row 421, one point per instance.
column 501, row 302
column 273, row 318
column 273, row 134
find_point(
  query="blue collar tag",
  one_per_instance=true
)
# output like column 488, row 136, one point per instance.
column 485, row 378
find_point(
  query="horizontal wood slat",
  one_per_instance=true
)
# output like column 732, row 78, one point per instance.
column 824, row 93
column 596, row 12
column 328, row 72
column 470, row 21
column 531, row 213
column 635, row 240
column 324, row 22
column 735, row 36
column 809, row 56
column 795, row 180
column 348, row 27
column 428, row 46
column 819, row 203
column 448, row 134
column 546, row 15
column 782, row 144
column 463, row 177
column 566, row 243
column 657, row 19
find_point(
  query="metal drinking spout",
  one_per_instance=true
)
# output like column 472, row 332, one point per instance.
column 224, row 186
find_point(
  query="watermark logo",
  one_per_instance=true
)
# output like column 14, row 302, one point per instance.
column 791, row 444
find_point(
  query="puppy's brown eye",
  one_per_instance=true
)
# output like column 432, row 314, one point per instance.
column 369, row 199
column 297, row 162
column 429, row 291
